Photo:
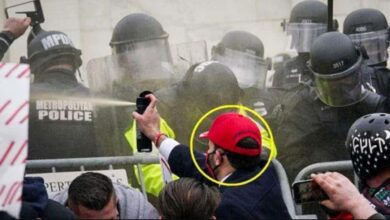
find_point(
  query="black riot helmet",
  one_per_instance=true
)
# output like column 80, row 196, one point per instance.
column 50, row 48
column 308, row 20
column 369, row 28
column 368, row 143
column 136, row 28
column 241, row 41
column 211, row 84
column 140, row 43
column 336, row 63
column 309, row 11
column 279, row 60
column 243, row 53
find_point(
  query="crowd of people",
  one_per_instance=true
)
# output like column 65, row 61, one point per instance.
column 328, row 103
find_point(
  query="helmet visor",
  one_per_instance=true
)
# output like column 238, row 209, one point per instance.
column 185, row 55
column 147, row 66
column 303, row 35
column 341, row 89
column 250, row 70
column 375, row 43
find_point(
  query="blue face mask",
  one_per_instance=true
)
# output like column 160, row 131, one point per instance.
column 379, row 197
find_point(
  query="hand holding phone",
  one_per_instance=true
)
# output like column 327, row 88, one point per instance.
column 308, row 191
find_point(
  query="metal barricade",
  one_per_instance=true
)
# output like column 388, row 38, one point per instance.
column 343, row 165
column 339, row 166
column 286, row 192
column 81, row 163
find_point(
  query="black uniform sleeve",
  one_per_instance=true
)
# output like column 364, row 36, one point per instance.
column 6, row 39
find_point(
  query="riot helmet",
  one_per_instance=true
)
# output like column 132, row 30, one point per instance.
column 369, row 28
column 212, row 84
column 137, row 32
column 279, row 60
column 50, row 48
column 140, row 47
column 337, row 69
column 368, row 143
column 308, row 20
column 243, row 53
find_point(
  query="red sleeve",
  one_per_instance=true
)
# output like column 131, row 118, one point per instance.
column 341, row 215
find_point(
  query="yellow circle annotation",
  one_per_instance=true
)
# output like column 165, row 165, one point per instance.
column 240, row 107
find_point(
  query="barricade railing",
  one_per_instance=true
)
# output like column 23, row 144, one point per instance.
column 286, row 192
column 140, row 159
column 81, row 163
column 339, row 166
column 344, row 165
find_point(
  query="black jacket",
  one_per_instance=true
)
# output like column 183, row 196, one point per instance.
column 61, row 126
column 260, row 199
column 294, row 71
column 5, row 41
column 308, row 131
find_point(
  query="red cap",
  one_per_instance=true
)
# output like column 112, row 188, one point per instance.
column 229, row 128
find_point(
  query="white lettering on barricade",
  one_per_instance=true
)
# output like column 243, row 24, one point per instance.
column 56, row 182
column 64, row 110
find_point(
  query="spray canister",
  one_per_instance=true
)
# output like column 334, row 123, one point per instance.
column 144, row 144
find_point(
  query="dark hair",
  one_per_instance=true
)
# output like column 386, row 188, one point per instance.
column 91, row 190
column 187, row 198
column 241, row 161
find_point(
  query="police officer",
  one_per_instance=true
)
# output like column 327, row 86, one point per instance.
column 308, row 20
column 368, row 28
column 205, row 86
column 140, row 61
column 315, row 120
column 61, row 117
column 368, row 143
column 279, row 60
column 243, row 53
column 141, row 47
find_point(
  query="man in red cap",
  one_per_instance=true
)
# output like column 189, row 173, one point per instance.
column 233, row 156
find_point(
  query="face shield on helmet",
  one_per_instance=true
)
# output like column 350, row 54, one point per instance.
column 302, row 35
column 141, row 57
column 343, row 88
column 145, row 65
column 375, row 44
column 250, row 70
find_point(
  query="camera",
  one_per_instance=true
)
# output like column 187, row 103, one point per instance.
column 144, row 144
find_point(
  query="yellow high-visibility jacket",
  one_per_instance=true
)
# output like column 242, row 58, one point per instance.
column 153, row 176
column 266, row 140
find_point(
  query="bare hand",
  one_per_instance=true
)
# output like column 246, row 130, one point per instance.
column 17, row 26
column 343, row 195
column 149, row 121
